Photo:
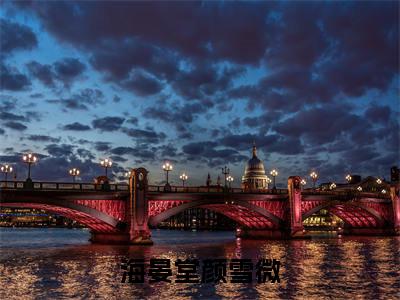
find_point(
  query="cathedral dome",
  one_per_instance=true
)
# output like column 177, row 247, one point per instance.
column 254, row 173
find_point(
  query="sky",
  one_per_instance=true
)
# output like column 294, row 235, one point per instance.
column 314, row 84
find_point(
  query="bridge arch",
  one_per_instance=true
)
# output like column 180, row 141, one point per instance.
column 242, row 212
column 353, row 214
column 95, row 220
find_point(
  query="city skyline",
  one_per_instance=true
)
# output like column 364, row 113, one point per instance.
column 79, row 84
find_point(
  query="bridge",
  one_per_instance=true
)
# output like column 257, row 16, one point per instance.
column 122, row 213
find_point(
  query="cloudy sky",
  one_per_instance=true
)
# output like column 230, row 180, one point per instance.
column 314, row 84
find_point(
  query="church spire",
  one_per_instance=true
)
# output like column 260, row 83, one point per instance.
column 254, row 149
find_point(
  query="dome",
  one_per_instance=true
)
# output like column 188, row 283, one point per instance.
column 254, row 173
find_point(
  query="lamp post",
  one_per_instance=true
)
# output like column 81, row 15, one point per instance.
column 359, row 188
column 6, row 169
column 167, row 167
column 314, row 177
column 268, row 181
column 274, row 173
column 225, row 171
column 74, row 172
column 348, row 178
column 378, row 181
column 183, row 177
column 29, row 159
column 230, row 180
column 332, row 186
column 106, row 163
column 303, row 182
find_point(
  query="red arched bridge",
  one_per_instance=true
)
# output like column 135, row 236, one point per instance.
column 122, row 213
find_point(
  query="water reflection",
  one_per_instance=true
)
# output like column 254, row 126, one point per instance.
column 62, row 264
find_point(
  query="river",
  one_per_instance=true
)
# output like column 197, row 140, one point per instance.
column 57, row 263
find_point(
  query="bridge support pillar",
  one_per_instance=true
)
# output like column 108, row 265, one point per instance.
column 295, row 217
column 395, row 196
column 139, row 232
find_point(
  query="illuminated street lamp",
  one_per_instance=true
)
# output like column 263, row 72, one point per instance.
column 6, row 169
column 332, row 186
column 183, row 177
column 167, row 167
column 359, row 188
column 303, row 182
column 29, row 159
column 106, row 163
column 314, row 177
column 225, row 171
column 383, row 191
column 74, row 172
column 274, row 173
column 230, row 180
column 268, row 182
column 348, row 178
column 378, row 181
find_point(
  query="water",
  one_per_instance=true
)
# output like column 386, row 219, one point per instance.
column 61, row 263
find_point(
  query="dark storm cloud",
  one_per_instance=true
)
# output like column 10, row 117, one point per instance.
column 142, row 84
column 44, row 72
column 16, row 36
column 2, row 131
column 11, row 79
column 144, row 135
column 108, row 123
column 378, row 114
column 76, row 126
column 15, row 125
column 102, row 146
column 59, row 150
column 42, row 138
column 68, row 69
column 4, row 115
column 123, row 151
column 83, row 100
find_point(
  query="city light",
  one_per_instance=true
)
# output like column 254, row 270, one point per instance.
column 74, row 172
column 303, row 182
column 6, row 169
column 106, row 163
column 225, row 171
column 378, row 181
column 383, row 191
column 359, row 188
column 230, row 180
column 268, row 182
column 348, row 177
column 29, row 159
column 274, row 173
column 167, row 167
column 332, row 186
column 314, row 177
column 183, row 177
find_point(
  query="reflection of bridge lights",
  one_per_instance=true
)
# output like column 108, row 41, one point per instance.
column 359, row 188
column 348, row 177
column 383, row 191
column 332, row 186
column 106, row 163
column 183, row 177
column 29, row 159
column 378, row 181
column 74, row 172
column 6, row 169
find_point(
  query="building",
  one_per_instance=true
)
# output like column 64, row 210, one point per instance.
column 254, row 174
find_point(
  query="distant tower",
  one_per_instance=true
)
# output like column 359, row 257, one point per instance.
column 254, row 174
column 208, row 183
column 219, row 181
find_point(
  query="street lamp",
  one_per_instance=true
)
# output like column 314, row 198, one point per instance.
column 229, row 179
column 106, row 163
column 348, row 178
column 74, row 172
column 359, row 188
column 6, row 169
column 378, row 181
column 268, row 182
column 303, row 182
column 274, row 173
column 314, row 177
column 167, row 167
column 332, row 186
column 29, row 159
column 383, row 191
column 225, row 171
column 183, row 177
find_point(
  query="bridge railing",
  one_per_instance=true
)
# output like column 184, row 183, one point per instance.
column 346, row 194
column 64, row 186
column 204, row 189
